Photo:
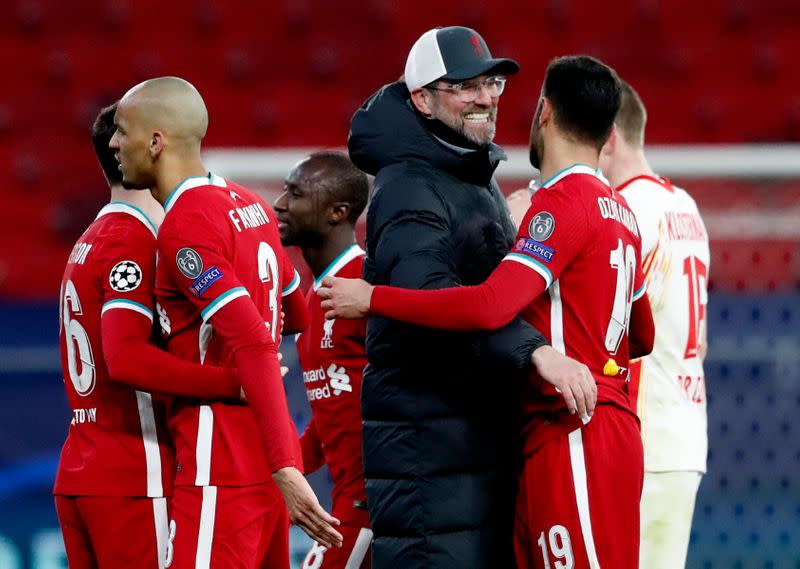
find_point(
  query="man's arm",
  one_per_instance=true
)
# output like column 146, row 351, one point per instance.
column 295, row 311
column 242, row 328
column 487, row 306
column 642, row 328
column 414, row 249
column 226, row 304
column 126, row 325
column 311, row 445
column 132, row 360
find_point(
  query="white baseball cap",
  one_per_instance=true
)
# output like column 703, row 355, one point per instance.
column 454, row 53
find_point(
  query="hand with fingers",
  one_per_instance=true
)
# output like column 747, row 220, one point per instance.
column 304, row 508
column 570, row 378
column 345, row 298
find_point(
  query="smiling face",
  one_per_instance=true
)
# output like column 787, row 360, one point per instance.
column 476, row 121
column 131, row 143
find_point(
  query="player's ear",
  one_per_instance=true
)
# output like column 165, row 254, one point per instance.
column 547, row 111
column 611, row 142
column 423, row 101
column 339, row 212
column 157, row 143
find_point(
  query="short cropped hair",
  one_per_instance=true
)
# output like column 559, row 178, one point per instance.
column 631, row 117
column 343, row 180
column 585, row 96
column 102, row 131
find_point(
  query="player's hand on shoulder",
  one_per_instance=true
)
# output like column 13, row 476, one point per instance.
column 304, row 508
column 345, row 298
column 570, row 377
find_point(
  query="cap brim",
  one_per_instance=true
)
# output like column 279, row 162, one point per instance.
column 499, row 66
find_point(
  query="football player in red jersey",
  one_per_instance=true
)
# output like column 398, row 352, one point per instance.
column 575, row 273
column 116, row 467
column 319, row 207
column 220, row 282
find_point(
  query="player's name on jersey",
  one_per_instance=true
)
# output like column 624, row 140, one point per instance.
column 685, row 226
column 248, row 217
column 694, row 388
column 79, row 253
column 611, row 209
column 80, row 416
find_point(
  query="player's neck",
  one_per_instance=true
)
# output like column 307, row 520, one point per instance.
column 140, row 199
column 320, row 257
column 628, row 166
column 175, row 171
column 561, row 153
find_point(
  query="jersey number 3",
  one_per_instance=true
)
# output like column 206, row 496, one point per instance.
column 77, row 341
column 268, row 274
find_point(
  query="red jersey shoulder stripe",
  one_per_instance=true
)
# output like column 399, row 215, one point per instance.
column 132, row 210
column 128, row 304
column 190, row 184
column 543, row 271
column 336, row 265
column 223, row 299
column 292, row 286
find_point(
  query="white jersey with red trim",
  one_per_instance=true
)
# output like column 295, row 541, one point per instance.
column 219, row 241
column 671, row 401
column 117, row 443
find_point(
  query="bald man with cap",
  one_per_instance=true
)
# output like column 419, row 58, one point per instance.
column 222, row 281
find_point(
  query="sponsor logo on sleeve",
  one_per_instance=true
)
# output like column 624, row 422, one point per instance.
column 542, row 226
column 205, row 280
column 125, row 276
column 533, row 248
column 190, row 264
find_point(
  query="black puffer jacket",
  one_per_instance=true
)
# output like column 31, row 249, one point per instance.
column 440, row 432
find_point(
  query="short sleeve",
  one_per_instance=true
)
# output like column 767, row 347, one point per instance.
column 554, row 230
column 127, row 271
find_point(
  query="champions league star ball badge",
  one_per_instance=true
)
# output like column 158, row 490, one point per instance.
column 125, row 276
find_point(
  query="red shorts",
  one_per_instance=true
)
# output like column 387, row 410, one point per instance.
column 578, row 503
column 112, row 531
column 230, row 527
column 355, row 550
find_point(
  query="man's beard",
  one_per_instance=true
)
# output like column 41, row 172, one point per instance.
column 535, row 151
column 458, row 123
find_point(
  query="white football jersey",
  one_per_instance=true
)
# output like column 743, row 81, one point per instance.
column 671, row 400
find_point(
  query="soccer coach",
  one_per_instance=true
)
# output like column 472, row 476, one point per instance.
column 439, row 408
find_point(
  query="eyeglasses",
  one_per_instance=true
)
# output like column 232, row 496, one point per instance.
column 468, row 91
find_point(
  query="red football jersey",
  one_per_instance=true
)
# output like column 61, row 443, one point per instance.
column 116, row 445
column 332, row 356
column 580, row 236
column 218, row 242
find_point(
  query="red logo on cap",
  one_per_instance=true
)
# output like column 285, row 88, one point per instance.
column 476, row 45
